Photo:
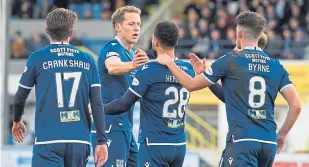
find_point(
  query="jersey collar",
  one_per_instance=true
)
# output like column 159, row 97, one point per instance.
column 116, row 37
column 253, row 48
column 60, row 43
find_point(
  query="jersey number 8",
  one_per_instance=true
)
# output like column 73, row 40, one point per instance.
column 179, row 96
column 257, row 92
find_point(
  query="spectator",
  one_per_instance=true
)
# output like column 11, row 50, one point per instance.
column 270, row 13
column 26, row 11
column 191, row 22
column 191, row 5
column 106, row 12
column 44, row 9
column 202, row 44
column 88, row 14
column 214, row 44
column 203, row 28
column 206, row 14
column 18, row 48
column 298, row 44
column 221, row 27
column 36, row 42
column 293, row 24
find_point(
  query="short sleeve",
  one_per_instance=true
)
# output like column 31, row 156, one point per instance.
column 110, row 51
column 27, row 79
column 217, row 70
column 141, row 81
column 285, row 80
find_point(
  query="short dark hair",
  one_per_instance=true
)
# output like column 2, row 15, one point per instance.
column 252, row 22
column 167, row 33
column 60, row 23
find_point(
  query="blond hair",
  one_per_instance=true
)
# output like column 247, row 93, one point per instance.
column 118, row 15
column 60, row 22
column 263, row 40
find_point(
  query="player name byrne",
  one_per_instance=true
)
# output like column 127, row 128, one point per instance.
column 65, row 63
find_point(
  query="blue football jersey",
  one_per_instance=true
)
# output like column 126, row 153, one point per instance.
column 63, row 76
column 251, row 81
column 114, row 86
column 163, row 102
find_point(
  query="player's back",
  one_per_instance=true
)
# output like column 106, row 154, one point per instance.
column 163, row 103
column 251, row 83
column 63, row 77
column 114, row 86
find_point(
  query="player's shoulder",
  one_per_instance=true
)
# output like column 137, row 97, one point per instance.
column 112, row 45
column 39, row 54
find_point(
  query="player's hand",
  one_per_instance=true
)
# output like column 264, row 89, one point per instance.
column 280, row 142
column 18, row 131
column 164, row 59
column 100, row 154
column 236, row 49
column 140, row 58
column 198, row 65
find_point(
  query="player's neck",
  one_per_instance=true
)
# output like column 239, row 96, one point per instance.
column 59, row 41
column 169, row 52
column 248, row 43
column 128, row 46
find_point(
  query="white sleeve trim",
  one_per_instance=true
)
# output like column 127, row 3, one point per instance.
column 208, row 79
column 288, row 85
column 23, row 86
column 95, row 85
column 133, row 91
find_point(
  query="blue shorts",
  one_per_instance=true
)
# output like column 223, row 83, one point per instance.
column 122, row 149
column 248, row 153
column 61, row 155
column 161, row 156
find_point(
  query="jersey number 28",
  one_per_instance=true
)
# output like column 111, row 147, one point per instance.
column 179, row 96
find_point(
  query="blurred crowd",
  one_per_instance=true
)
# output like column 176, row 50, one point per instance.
column 86, row 9
column 207, row 27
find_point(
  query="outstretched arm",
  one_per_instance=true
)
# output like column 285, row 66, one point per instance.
column 122, row 104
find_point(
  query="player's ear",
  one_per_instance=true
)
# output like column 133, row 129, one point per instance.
column 71, row 33
column 46, row 31
column 117, row 27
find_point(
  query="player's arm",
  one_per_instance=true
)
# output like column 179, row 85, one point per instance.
column 115, row 66
column 199, row 67
column 213, row 74
column 96, row 104
column 26, row 83
column 98, row 113
column 218, row 91
column 122, row 104
column 191, row 84
column 139, row 86
column 291, row 96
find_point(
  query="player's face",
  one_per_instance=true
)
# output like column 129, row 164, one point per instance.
column 130, row 27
